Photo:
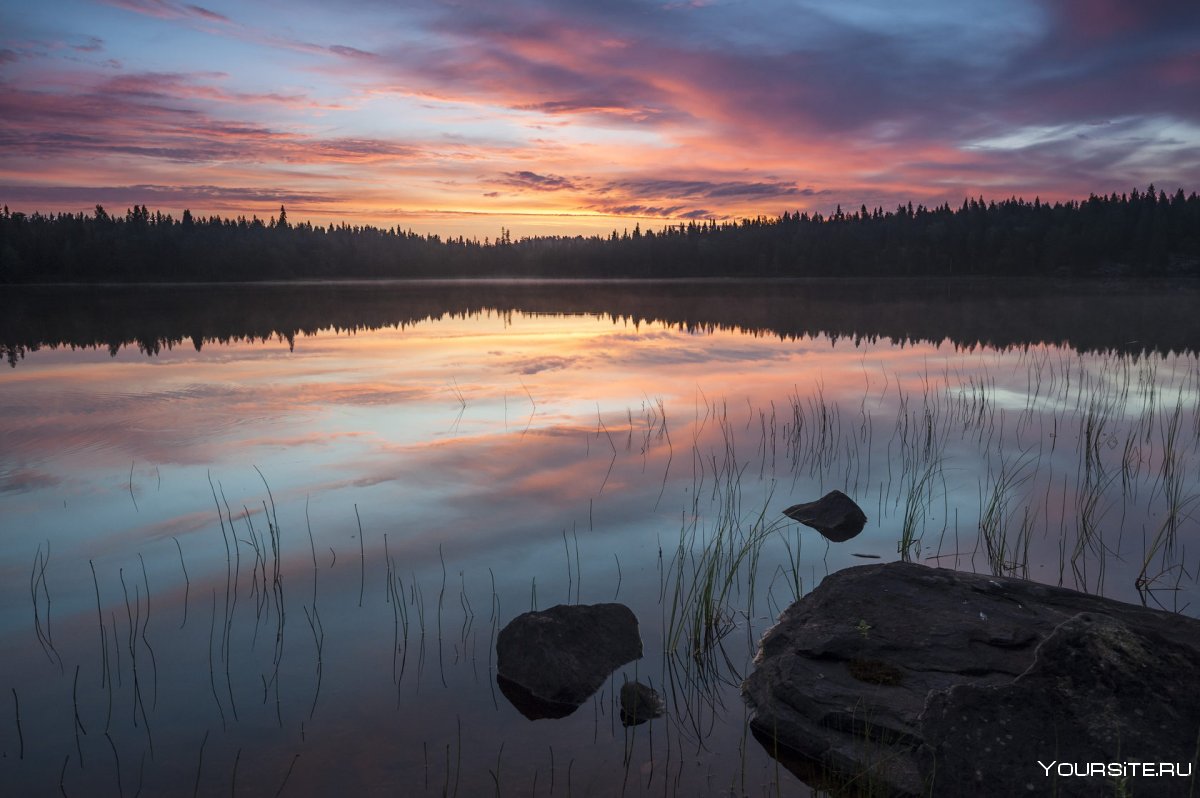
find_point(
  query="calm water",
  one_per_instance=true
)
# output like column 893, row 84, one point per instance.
column 309, row 510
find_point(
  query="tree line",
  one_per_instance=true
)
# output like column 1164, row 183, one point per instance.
column 1142, row 233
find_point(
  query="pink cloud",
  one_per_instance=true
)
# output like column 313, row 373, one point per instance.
column 1183, row 70
column 165, row 9
column 161, row 116
column 1097, row 20
column 206, row 13
column 350, row 52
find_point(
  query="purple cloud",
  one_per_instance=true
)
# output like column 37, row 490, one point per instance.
column 536, row 182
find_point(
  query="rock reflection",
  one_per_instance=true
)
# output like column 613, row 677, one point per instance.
column 530, row 705
column 639, row 703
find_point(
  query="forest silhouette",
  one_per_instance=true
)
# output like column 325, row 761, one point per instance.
column 1143, row 233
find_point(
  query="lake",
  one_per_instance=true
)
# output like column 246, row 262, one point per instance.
column 261, row 538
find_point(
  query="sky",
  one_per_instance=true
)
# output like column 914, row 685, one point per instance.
column 463, row 117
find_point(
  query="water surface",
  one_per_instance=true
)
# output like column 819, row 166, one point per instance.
column 309, row 509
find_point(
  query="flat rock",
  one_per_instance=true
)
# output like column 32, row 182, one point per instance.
column 549, row 662
column 922, row 681
column 834, row 515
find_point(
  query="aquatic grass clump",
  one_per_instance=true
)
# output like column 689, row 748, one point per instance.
column 916, row 500
column 707, row 572
column 1006, row 555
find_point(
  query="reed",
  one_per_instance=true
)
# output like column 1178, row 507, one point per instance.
column 362, row 558
column 78, row 725
column 287, row 775
column 20, row 733
column 200, row 765
column 1005, row 556
column 187, row 583
column 117, row 764
column 37, row 582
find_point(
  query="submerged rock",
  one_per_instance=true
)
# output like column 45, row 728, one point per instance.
column 923, row 681
column 834, row 515
column 639, row 703
column 550, row 662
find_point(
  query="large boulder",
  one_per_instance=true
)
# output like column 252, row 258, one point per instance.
column 925, row 681
column 834, row 515
column 551, row 661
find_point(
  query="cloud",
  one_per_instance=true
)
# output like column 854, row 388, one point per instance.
column 642, row 210
column 94, row 45
column 913, row 96
column 168, row 88
column 206, row 13
column 658, row 187
column 163, row 116
column 669, row 355
column 536, row 182
column 350, row 52
column 165, row 9
column 598, row 106
column 356, row 150
column 628, row 197
column 160, row 195
column 662, row 109
column 544, row 62
column 539, row 364
column 1070, row 154
column 22, row 480
column 367, row 395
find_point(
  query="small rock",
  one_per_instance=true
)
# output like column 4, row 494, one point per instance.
column 639, row 703
column 834, row 515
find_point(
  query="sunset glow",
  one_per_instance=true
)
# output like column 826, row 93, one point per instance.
column 564, row 118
